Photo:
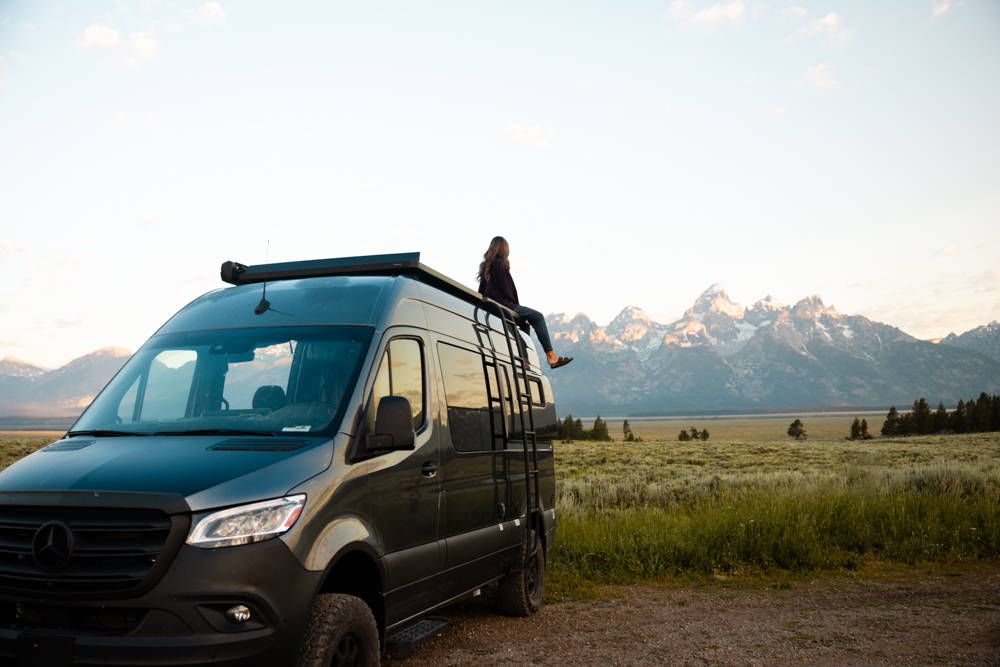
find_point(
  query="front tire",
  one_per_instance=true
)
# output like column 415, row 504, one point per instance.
column 521, row 592
column 341, row 632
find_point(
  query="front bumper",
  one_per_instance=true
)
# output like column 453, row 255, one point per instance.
column 181, row 621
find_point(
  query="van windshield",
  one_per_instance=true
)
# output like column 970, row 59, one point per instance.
column 258, row 380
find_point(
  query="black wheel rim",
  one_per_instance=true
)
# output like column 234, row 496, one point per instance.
column 347, row 651
column 531, row 575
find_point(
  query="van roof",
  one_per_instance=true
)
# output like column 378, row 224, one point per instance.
column 398, row 264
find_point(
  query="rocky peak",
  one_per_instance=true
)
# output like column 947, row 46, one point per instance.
column 984, row 339
column 631, row 314
column 715, row 300
column 768, row 303
column 574, row 329
column 764, row 311
column 813, row 307
column 15, row 367
column 631, row 325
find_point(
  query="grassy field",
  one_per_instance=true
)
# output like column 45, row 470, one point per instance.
column 633, row 512
column 638, row 512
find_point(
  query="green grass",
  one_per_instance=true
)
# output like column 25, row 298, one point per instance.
column 724, row 508
column 631, row 513
column 14, row 446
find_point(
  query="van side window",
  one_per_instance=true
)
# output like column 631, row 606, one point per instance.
column 400, row 373
column 465, row 394
column 407, row 375
column 535, row 390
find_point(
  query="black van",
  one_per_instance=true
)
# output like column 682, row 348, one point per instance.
column 290, row 471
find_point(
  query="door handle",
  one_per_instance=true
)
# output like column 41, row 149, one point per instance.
column 429, row 469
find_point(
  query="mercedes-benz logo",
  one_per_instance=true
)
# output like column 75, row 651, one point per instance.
column 52, row 546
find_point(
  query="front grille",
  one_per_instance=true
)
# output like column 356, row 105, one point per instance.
column 115, row 552
column 93, row 620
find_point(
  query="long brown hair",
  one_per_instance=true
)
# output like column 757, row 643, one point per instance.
column 499, row 250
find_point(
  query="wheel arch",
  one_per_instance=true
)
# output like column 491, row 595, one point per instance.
column 356, row 569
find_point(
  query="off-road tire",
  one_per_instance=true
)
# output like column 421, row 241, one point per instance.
column 341, row 631
column 520, row 593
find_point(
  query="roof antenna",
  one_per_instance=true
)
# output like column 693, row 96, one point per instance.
column 264, row 304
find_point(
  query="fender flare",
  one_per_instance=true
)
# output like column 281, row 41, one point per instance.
column 340, row 537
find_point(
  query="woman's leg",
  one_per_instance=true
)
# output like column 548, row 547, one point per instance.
column 537, row 322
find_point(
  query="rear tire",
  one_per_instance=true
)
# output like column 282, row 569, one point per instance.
column 520, row 593
column 341, row 631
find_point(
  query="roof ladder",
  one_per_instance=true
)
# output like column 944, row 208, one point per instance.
column 523, row 417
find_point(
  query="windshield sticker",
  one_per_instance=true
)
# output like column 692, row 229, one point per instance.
column 307, row 427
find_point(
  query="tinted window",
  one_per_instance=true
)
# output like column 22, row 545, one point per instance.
column 267, row 379
column 168, row 382
column 400, row 373
column 465, row 393
column 407, row 375
column 270, row 367
column 537, row 395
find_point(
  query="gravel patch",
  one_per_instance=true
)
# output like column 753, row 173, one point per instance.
column 940, row 616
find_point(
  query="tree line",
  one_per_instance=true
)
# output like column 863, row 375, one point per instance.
column 977, row 415
column 572, row 429
column 692, row 434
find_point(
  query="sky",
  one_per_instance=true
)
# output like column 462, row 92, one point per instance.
column 631, row 152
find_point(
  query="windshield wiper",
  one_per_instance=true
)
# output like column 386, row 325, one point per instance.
column 216, row 431
column 104, row 433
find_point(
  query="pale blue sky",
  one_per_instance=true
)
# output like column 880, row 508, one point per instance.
column 632, row 152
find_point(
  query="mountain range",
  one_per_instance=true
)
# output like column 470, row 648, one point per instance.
column 722, row 356
column 719, row 356
column 28, row 389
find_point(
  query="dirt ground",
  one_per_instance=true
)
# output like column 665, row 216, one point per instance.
column 945, row 615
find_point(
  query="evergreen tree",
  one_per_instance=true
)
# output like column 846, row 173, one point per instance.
column 578, row 432
column 797, row 430
column 921, row 417
column 566, row 428
column 704, row 434
column 600, row 430
column 627, row 433
column 865, row 435
column 907, row 424
column 970, row 416
column 940, row 421
column 983, row 413
column 855, row 429
column 683, row 436
column 695, row 433
column 956, row 420
column 890, row 426
column 995, row 418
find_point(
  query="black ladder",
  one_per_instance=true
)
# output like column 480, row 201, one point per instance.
column 524, row 416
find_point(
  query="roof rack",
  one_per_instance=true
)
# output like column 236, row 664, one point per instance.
column 399, row 264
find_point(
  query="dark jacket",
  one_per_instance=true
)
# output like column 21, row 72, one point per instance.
column 500, row 286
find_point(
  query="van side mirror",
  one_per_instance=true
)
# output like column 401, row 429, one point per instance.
column 393, row 425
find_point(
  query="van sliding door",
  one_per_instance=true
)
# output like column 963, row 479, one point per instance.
column 480, row 539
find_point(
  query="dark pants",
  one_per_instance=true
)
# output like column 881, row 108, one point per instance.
column 537, row 322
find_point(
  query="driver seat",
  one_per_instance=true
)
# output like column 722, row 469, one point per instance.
column 269, row 397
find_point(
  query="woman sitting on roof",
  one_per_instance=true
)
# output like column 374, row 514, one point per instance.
column 495, row 282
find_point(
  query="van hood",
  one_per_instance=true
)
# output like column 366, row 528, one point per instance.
column 210, row 471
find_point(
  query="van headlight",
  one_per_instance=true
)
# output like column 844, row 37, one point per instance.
column 245, row 523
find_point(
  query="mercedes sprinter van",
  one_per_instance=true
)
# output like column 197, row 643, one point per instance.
column 288, row 472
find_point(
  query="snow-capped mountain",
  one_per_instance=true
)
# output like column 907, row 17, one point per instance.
column 11, row 367
column 29, row 389
column 984, row 339
column 721, row 355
